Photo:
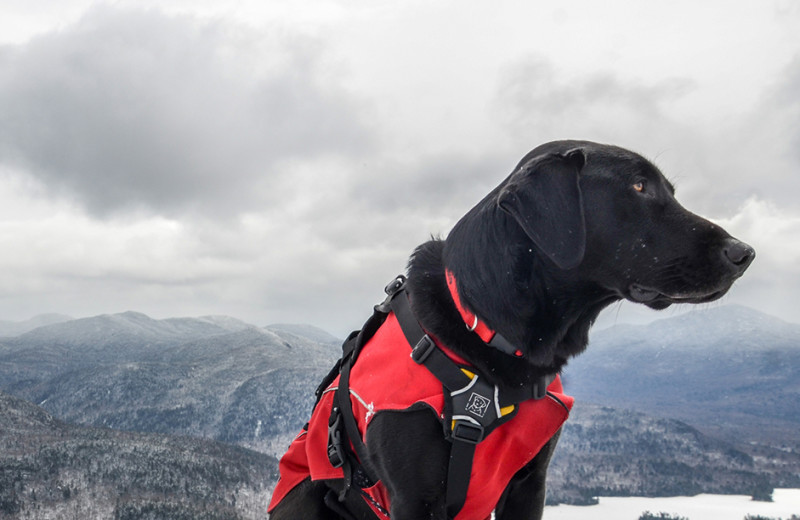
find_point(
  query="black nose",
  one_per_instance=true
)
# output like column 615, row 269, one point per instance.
column 739, row 254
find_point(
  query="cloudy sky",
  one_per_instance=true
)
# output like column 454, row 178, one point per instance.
column 278, row 161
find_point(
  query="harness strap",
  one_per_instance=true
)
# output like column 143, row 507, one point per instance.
column 424, row 350
column 344, row 438
column 345, row 409
column 343, row 430
column 458, row 475
column 464, row 435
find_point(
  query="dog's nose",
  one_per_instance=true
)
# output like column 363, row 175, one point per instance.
column 739, row 254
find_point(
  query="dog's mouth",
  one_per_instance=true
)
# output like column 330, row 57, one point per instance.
column 656, row 299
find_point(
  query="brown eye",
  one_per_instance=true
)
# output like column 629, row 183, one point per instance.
column 639, row 186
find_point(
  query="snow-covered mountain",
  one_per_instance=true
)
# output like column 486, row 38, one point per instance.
column 729, row 370
column 215, row 377
column 15, row 328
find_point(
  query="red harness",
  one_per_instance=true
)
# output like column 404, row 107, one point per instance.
column 385, row 378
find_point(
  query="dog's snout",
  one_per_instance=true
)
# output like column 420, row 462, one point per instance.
column 739, row 254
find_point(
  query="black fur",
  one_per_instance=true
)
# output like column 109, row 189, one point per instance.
column 575, row 227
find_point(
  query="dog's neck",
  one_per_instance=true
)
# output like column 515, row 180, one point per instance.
column 477, row 325
column 437, row 313
column 547, row 317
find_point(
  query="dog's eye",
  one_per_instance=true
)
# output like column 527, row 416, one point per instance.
column 639, row 186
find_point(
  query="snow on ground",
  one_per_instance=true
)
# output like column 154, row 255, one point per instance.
column 786, row 502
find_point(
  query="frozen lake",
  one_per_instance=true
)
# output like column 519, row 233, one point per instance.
column 701, row 507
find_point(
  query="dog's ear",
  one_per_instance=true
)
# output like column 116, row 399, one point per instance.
column 544, row 197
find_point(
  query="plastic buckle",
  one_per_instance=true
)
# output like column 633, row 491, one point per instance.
column 422, row 349
column 466, row 431
column 503, row 345
column 336, row 454
column 395, row 285
column 540, row 388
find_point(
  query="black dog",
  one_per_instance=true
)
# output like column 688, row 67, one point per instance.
column 575, row 227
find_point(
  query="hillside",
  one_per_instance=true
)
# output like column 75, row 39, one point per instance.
column 212, row 377
column 730, row 371
column 49, row 469
column 612, row 452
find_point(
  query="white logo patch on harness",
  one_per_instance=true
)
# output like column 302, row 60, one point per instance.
column 477, row 404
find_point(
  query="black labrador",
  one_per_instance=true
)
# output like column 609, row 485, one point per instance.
column 575, row 227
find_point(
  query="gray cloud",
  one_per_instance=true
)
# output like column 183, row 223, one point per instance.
column 534, row 97
column 781, row 111
column 756, row 153
column 715, row 165
column 324, row 191
column 131, row 109
column 433, row 184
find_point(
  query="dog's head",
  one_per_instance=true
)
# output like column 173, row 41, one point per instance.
column 579, row 225
column 612, row 215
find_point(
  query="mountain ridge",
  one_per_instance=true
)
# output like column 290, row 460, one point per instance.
column 15, row 328
column 214, row 377
column 732, row 371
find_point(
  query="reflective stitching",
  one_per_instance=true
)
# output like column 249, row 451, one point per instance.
column 469, row 385
column 370, row 407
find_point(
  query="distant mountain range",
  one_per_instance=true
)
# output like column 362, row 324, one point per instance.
column 213, row 377
column 729, row 371
column 15, row 328
column 50, row 469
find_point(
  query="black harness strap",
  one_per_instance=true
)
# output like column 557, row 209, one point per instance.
column 458, row 475
column 344, row 437
column 463, row 434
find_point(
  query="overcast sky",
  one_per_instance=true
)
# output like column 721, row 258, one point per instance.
column 278, row 161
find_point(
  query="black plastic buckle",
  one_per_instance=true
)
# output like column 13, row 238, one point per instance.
column 503, row 345
column 466, row 431
column 540, row 388
column 395, row 285
column 422, row 349
column 336, row 454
